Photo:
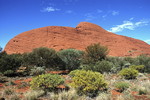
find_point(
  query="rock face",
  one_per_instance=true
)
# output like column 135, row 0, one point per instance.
column 84, row 34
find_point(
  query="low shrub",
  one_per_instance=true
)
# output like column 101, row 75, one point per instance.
column 128, row 73
column 121, row 86
column 137, row 67
column 46, row 81
column 87, row 82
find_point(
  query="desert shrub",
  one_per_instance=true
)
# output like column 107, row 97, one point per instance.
column 118, row 62
column 42, row 57
column 128, row 73
column 144, row 60
column 87, row 82
column 100, row 66
column 9, row 62
column 37, row 71
column 95, row 52
column 71, row 58
column 121, row 86
column 46, row 81
column 137, row 67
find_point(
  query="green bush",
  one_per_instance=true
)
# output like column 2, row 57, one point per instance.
column 144, row 60
column 95, row 52
column 128, row 73
column 71, row 58
column 46, row 81
column 137, row 67
column 87, row 82
column 37, row 71
column 121, row 86
column 100, row 66
column 42, row 57
column 9, row 62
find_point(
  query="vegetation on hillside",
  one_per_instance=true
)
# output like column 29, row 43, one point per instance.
column 91, row 73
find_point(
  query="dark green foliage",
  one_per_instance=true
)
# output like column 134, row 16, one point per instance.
column 95, row 52
column 128, row 73
column 9, row 62
column 100, row 66
column 9, row 73
column 119, row 63
column 144, row 60
column 42, row 57
column 71, row 58
column 87, row 82
column 121, row 86
column 46, row 81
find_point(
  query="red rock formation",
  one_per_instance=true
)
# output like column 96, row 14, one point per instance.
column 83, row 35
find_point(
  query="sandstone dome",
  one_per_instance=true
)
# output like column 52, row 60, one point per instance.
column 81, row 36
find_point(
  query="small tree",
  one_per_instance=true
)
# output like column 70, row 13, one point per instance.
column 95, row 52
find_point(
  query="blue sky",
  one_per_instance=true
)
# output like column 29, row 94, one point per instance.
column 124, row 17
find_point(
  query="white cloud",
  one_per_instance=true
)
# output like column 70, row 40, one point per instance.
column 128, row 25
column 114, row 13
column 50, row 9
column 147, row 41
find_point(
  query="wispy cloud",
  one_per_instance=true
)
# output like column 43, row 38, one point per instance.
column 49, row 9
column 128, row 25
column 114, row 13
column 147, row 41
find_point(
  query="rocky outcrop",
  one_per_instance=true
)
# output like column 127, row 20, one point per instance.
column 84, row 34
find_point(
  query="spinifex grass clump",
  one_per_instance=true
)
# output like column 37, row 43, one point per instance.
column 87, row 82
